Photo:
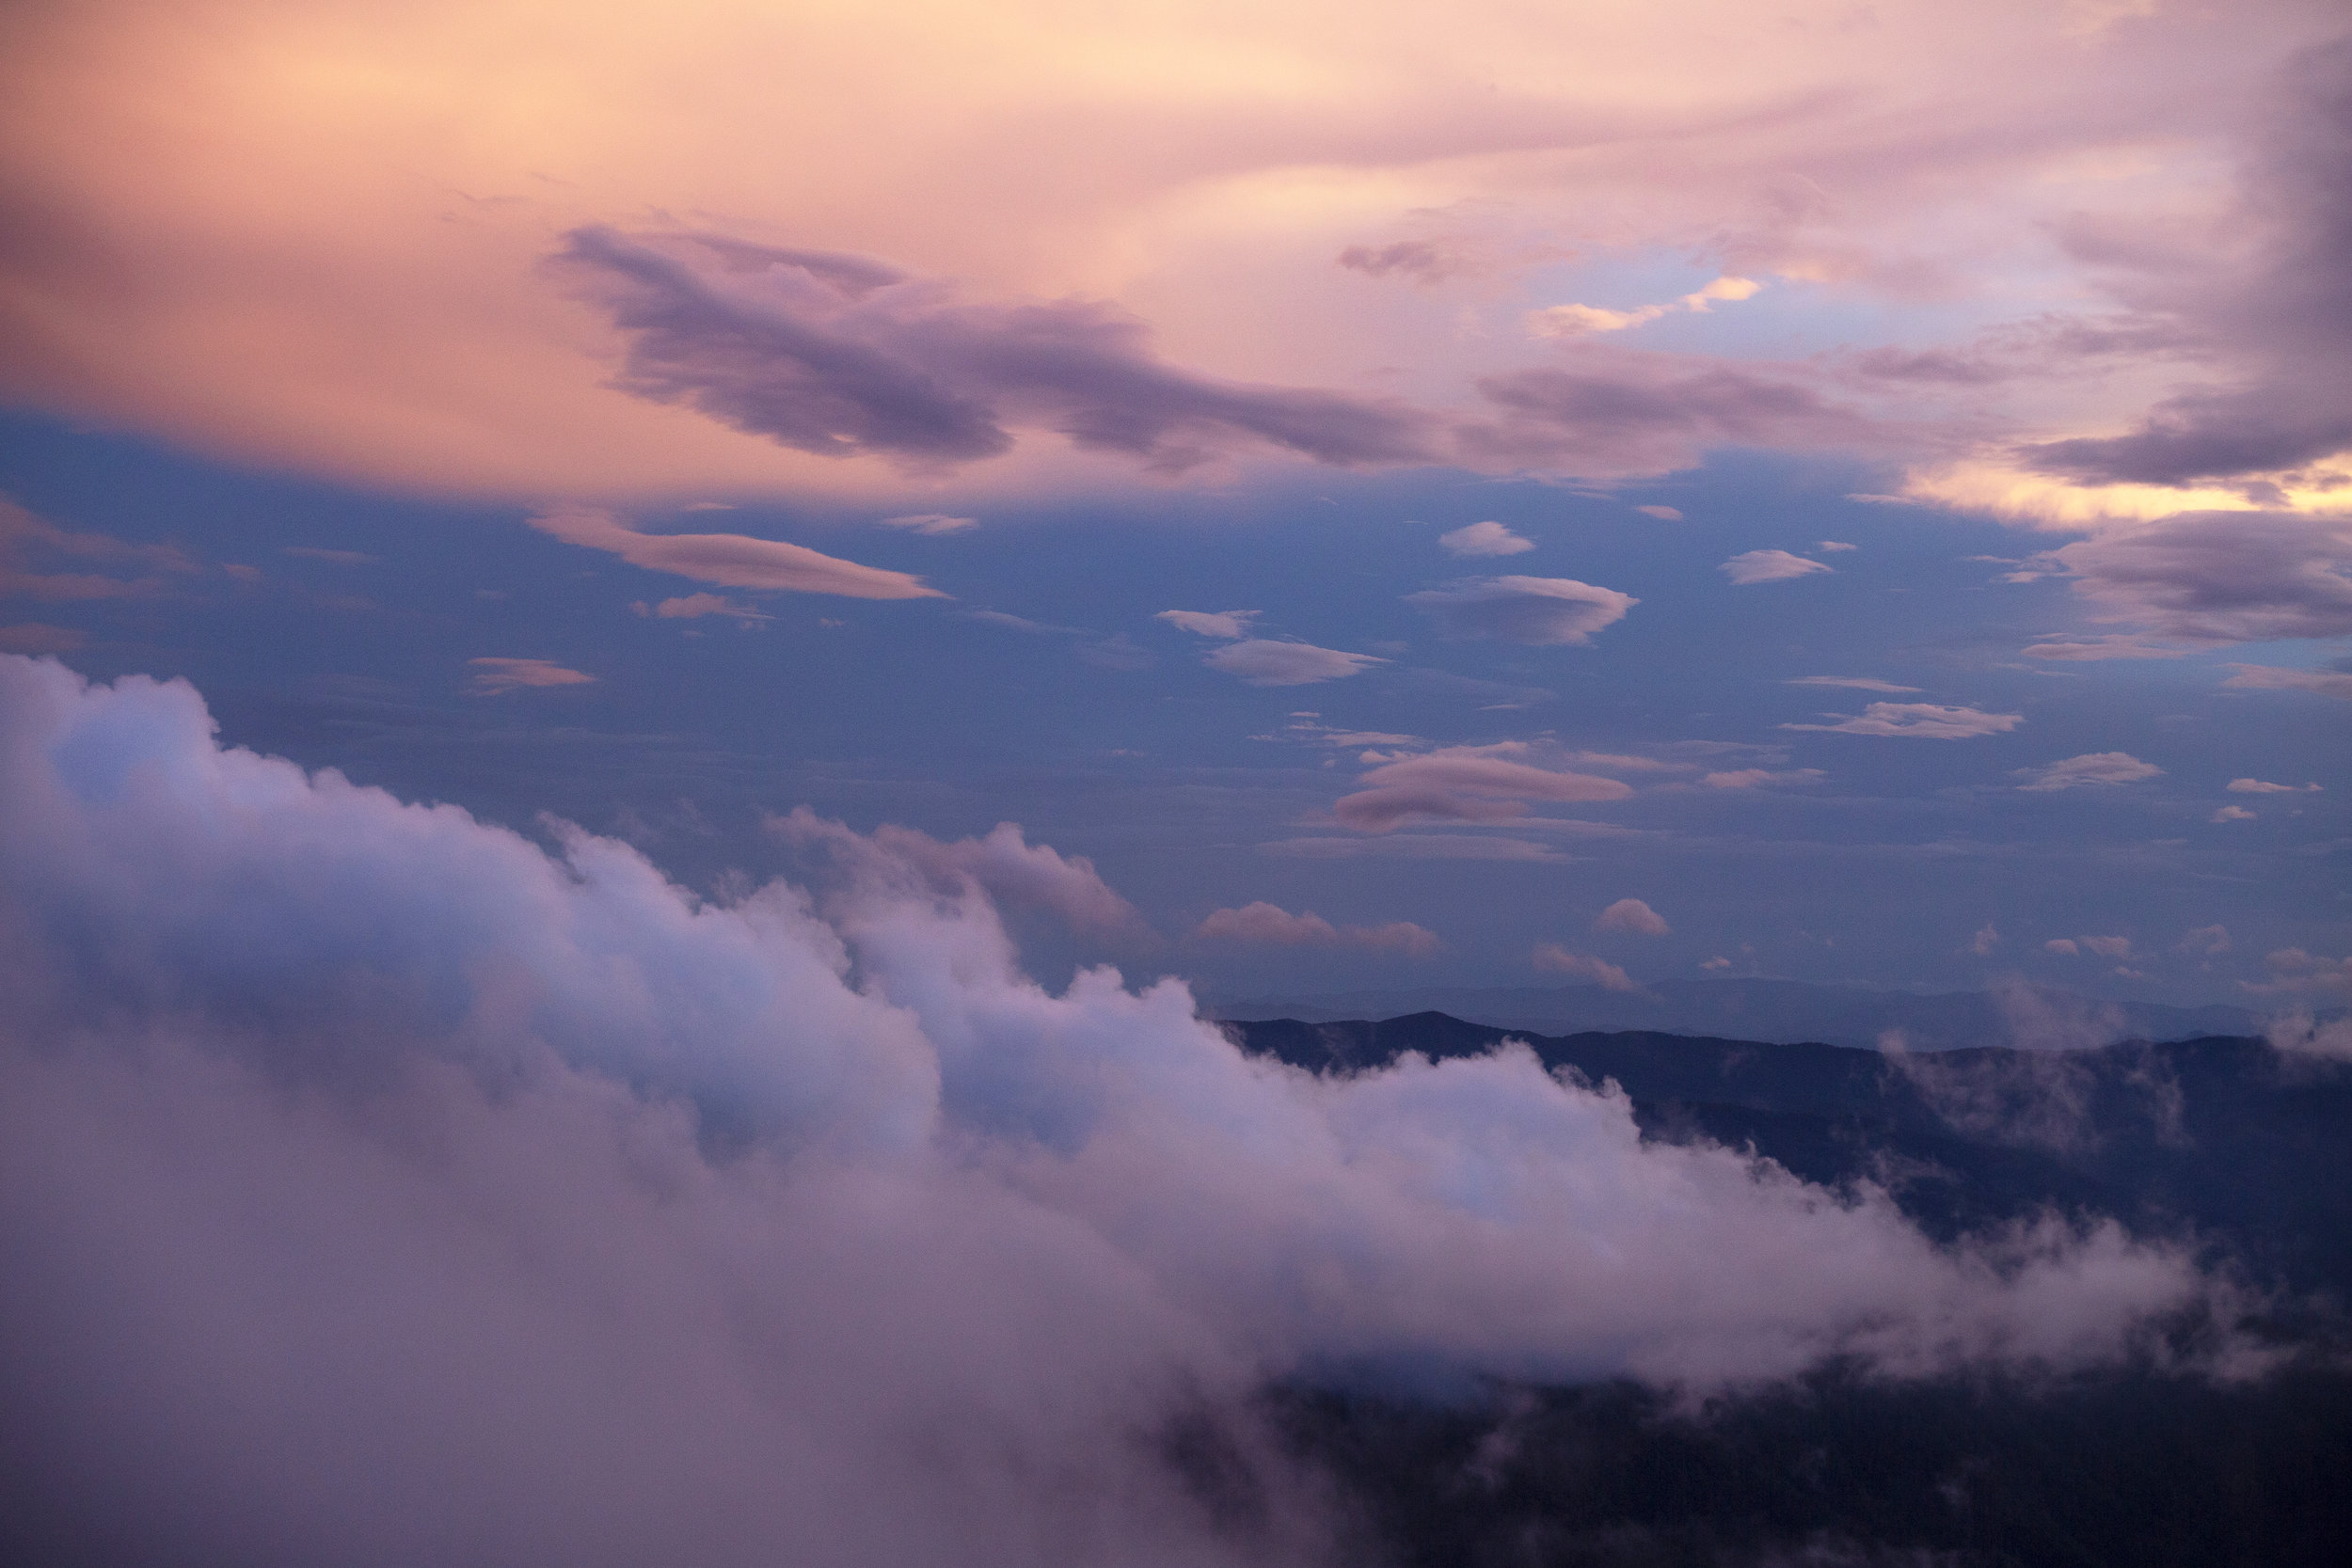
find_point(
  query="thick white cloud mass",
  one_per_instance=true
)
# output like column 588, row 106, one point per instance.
column 380, row 1187
column 1541, row 612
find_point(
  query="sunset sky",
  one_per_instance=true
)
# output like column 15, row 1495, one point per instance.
column 1384, row 485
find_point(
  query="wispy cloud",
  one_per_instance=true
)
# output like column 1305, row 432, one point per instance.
column 1923, row 721
column 496, row 677
column 2091, row 769
column 1540, row 611
column 1768, row 567
column 730, row 560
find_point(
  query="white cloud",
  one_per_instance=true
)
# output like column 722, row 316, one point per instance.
column 2092, row 768
column 1484, row 539
column 1555, row 960
column 730, row 560
column 1834, row 545
column 1261, row 662
column 2268, row 677
column 2233, row 814
column 1664, row 514
column 1757, row 778
column 1768, row 567
column 2257, row 786
column 1632, row 914
column 1540, row 611
column 2086, row 650
column 1464, row 784
column 2061, row 946
column 932, row 523
column 1206, row 623
column 2292, row 969
column 1859, row 683
column 1985, row 941
column 693, row 605
column 493, row 677
column 1267, row 925
column 1926, row 720
column 1579, row 320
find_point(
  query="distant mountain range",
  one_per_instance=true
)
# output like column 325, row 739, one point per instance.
column 2021, row 1017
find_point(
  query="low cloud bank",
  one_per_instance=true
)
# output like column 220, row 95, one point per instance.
column 381, row 1186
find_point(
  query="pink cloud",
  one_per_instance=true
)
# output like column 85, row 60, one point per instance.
column 1555, row 960
column 493, row 676
column 1464, row 785
column 730, row 560
column 1270, row 925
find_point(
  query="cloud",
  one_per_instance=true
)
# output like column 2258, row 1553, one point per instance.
column 1859, row 683
column 730, row 560
column 36, row 637
column 1632, row 914
column 1555, row 960
column 1834, row 545
column 1484, row 539
column 1985, row 941
column 1463, row 784
column 2108, row 947
column 1205, row 622
column 2257, row 786
column 2064, row 946
column 1926, row 720
column 493, row 676
column 2214, row 578
column 1416, row 847
column 472, row 1192
column 1664, row 514
column 1421, row 260
column 880, row 362
column 2232, row 813
column 1768, row 567
column 1756, row 778
column 1263, row 662
column 1002, row 865
column 1539, row 612
column 2291, row 970
column 695, row 606
column 2086, row 650
column 2092, row 768
column 1263, row 925
column 1577, row 321
column 930, row 522
column 2204, row 941
column 2270, row 677
column 333, row 558
column 26, row 541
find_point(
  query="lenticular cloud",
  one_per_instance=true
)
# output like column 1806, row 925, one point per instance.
column 380, row 1186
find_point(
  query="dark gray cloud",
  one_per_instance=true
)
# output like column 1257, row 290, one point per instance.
column 2220, row 576
column 2280, row 323
column 1613, row 411
column 840, row 354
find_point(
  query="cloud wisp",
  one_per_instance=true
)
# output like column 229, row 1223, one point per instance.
column 2093, row 769
column 1464, row 783
column 730, row 560
column 1756, row 566
column 1920, row 721
column 494, row 677
column 1537, row 612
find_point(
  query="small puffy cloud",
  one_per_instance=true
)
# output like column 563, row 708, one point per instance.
column 2204, row 941
column 1555, row 960
column 1664, row 514
column 695, row 606
column 1985, row 941
column 730, row 560
column 1263, row 662
column 1756, row 566
column 1923, row 721
column 1539, row 612
column 2091, row 768
column 1484, row 539
column 932, row 523
column 37, row 636
column 1834, row 545
column 2108, row 947
column 1581, row 321
column 2233, row 814
column 2268, row 677
column 1632, row 914
column 492, row 676
column 1207, row 622
column 1859, row 683
column 1464, row 784
column 1265, row 925
column 2064, row 946
column 2258, row 786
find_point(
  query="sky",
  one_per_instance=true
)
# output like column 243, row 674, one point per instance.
column 649, row 658
column 1882, row 471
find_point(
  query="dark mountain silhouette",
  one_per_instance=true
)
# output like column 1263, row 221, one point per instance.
column 1784, row 1011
